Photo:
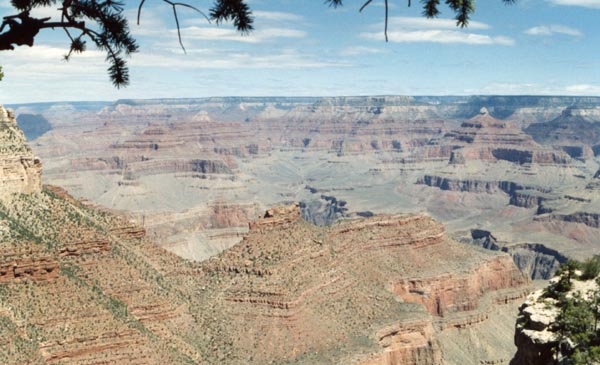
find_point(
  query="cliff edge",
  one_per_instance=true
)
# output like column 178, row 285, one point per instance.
column 20, row 170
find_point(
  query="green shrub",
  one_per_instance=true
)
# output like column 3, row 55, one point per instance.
column 590, row 268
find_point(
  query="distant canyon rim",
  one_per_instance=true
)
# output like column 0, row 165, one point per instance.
column 519, row 174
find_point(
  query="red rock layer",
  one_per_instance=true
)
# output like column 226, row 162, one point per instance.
column 460, row 291
column 407, row 343
column 37, row 268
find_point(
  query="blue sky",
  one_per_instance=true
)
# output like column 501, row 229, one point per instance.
column 304, row 48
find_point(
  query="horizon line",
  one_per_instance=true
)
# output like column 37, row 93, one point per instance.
column 117, row 101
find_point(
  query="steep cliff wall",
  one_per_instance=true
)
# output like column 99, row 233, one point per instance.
column 461, row 291
column 20, row 170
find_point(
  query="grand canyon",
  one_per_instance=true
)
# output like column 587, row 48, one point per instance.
column 365, row 230
column 515, row 174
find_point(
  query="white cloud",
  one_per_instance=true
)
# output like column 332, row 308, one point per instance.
column 537, row 89
column 227, row 34
column 441, row 36
column 583, row 89
column 594, row 4
column 285, row 59
column 438, row 30
column 424, row 23
column 362, row 50
column 547, row 30
column 45, row 53
column 276, row 15
column 49, row 66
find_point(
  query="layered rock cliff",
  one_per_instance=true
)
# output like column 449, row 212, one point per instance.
column 89, row 288
column 484, row 137
column 566, row 131
column 20, row 169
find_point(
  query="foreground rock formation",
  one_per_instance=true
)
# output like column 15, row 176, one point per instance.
column 556, row 324
column 90, row 289
column 534, row 336
column 20, row 170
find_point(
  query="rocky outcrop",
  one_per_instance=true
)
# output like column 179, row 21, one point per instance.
column 31, row 267
column 484, row 137
column 589, row 219
column 555, row 325
column 535, row 260
column 277, row 217
column 534, row 337
column 565, row 131
column 407, row 343
column 21, row 171
column 128, row 231
column 461, row 291
column 328, row 288
column 280, row 246
column 199, row 167
column 483, row 129
column 324, row 211
column 526, row 196
column 85, row 247
column 473, row 186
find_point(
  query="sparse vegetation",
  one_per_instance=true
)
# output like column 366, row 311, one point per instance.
column 590, row 268
column 578, row 334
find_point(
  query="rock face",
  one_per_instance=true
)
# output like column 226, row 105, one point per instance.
column 533, row 259
column 538, row 326
column 20, row 170
column 484, row 137
column 460, row 292
column 86, row 287
column 324, row 211
column 33, row 266
column 589, row 219
column 534, row 337
column 567, row 129
column 407, row 343
column 280, row 247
